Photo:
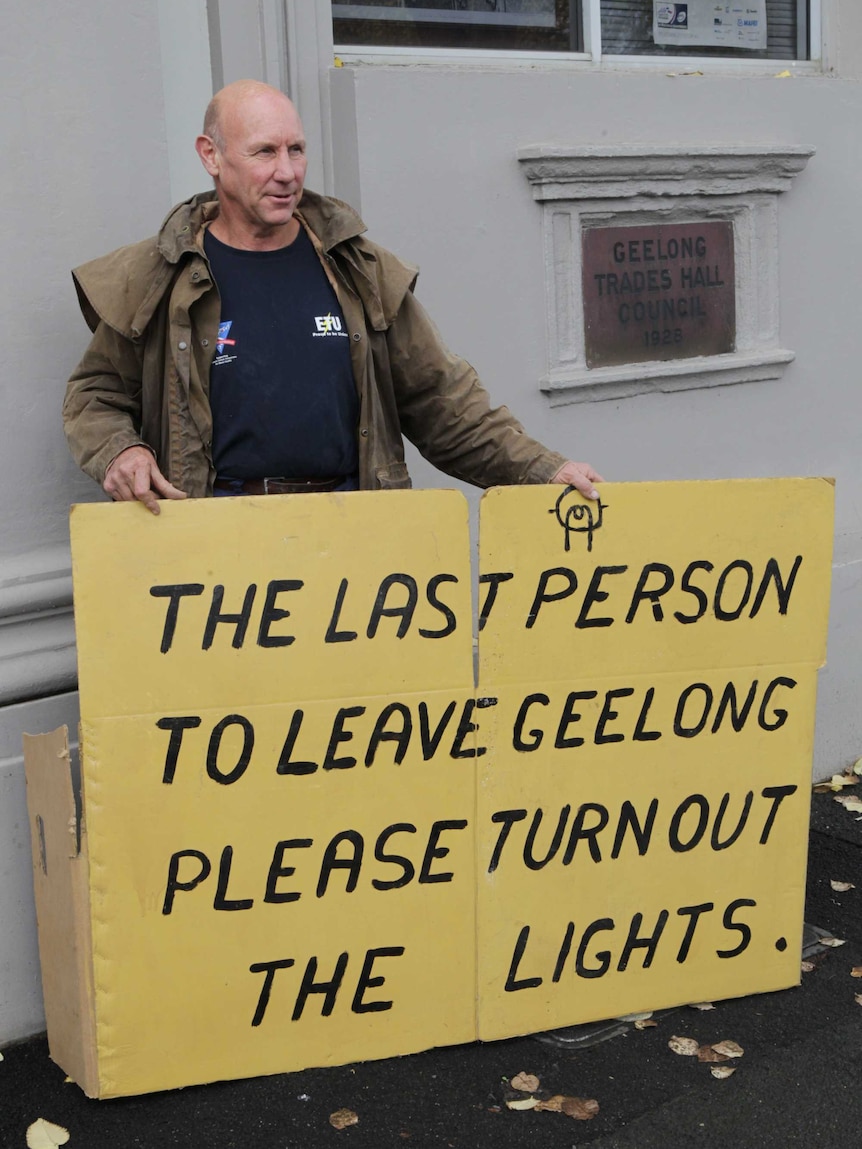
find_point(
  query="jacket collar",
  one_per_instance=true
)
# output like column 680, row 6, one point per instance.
column 331, row 220
column 125, row 287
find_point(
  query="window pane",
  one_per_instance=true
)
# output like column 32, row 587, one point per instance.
column 502, row 25
column 706, row 28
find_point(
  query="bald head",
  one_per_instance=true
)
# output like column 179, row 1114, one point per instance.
column 233, row 99
column 253, row 146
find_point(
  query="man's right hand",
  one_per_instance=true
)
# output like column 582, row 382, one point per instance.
column 134, row 474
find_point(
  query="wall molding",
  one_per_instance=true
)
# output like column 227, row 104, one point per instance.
column 37, row 630
column 638, row 186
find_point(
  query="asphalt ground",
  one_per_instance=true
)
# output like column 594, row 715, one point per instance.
column 798, row 1083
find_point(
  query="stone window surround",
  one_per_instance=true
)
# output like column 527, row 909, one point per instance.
column 631, row 185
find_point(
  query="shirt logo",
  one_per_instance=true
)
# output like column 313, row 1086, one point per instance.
column 328, row 325
column 223, row 332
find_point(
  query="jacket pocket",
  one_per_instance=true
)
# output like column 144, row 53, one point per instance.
column 393, row 477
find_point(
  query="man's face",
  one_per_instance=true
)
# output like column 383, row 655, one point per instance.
column 260, row 171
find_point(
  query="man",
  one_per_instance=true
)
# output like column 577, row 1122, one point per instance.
column 260, row 344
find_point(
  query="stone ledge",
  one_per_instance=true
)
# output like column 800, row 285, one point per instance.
column 582, row 386
column 620, row 172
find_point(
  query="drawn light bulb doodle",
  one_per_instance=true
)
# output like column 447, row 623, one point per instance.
column 577, row 518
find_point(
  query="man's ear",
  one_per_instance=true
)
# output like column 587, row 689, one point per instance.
column 208, row 153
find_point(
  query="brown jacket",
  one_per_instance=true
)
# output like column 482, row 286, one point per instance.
column 154, row 311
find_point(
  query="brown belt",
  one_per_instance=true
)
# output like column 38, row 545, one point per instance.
column 278, row 486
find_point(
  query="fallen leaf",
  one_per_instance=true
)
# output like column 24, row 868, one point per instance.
column 780, row 75
column 850, row 802
column 685, row 1046
column 341, row 1118
column 856, row 971
column 522, row 1103
column 708, row 1054
column 525, row 1082
column 701, row 1005
column 580, row 1108
column 552, row 1105
column 841, row 887
column 808, row 967
column 858, row 998
column 723, row 1071
column 1, row 1056
column 646, row 1023
column 729, row 1048
column 44, row 1134
column 839, row 781
column 857, row 766
column 832, row 943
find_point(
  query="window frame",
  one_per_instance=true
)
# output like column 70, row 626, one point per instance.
column 592, row 55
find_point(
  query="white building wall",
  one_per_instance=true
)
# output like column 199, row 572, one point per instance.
column 82, row 134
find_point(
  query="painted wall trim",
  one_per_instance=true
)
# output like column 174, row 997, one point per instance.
column 37, row 630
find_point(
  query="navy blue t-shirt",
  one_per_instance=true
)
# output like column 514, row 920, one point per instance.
column 282, row 392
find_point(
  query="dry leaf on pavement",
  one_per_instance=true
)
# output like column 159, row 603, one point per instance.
column 582, row 1109
column 841, row 887
column 723, row 1071
column 832, row 943
column 808, row 966
column 551, row 1105
column 522, row 1103
column 707, row 1053
column 849, row 801
column 839, row 781
column 701, row 1005
column 729, row 1048
column 685, row 1046
column 44, row 1134
column 858, row 998
column 646, row 1023
column 856, row 971
column 579, row 1108
column 341, row 1118
column 525, row 1082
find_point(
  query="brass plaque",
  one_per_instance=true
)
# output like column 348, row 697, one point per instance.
column 663, row 291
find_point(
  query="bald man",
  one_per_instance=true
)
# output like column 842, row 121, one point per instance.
column 260, row 344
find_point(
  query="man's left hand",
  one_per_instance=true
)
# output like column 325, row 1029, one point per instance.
column 581, row 476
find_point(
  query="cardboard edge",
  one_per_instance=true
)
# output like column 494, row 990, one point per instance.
column 61, row 888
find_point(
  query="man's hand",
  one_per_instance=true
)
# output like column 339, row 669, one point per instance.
column 134, row 474
column 581, row 476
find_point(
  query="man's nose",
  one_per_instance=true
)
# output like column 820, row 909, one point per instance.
column 284, row 168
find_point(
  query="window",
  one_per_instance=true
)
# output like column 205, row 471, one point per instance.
column 744, row 29
column 504, row 25
column 753, row 29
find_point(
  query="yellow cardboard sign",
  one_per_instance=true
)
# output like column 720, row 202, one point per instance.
column 296, row 799
column 643, row 812
column 276, row 697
